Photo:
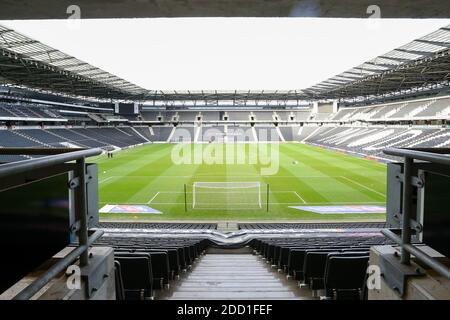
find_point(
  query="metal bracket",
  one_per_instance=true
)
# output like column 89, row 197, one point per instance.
column 95, row 273
column 74, row 183
column 416, row 226
column 396, row 274
column 417, row 182
column 75, row 226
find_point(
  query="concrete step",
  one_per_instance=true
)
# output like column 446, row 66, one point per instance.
column 222, row 276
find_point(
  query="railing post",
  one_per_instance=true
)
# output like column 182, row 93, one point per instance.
column 407, row 206
column 81, row 209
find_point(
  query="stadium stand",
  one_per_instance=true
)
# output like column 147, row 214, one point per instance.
column 148, row 264
column 158, row 225
column 238, row 115
column 144, row 131
column 372, row 140
column 25, row 111
column 240, row 133
column 183, row 134
column 161, row 133
column 151, row 115
column 210, row 115
column 291, row 225
column 322, row 263
column 187, row 260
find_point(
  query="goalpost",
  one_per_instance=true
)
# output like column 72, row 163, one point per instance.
column 226, row 195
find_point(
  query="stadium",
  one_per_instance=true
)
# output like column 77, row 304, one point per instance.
column 121, row 183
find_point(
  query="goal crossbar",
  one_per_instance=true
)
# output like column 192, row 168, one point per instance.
column 226, row 185
column 217, row 195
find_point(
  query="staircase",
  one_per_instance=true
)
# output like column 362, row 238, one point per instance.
column 23, row 135
column 96, row 117
column 225, row 276
column 419, row 109
column 394, row 111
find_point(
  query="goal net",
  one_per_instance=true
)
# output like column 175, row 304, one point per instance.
column 226, row 195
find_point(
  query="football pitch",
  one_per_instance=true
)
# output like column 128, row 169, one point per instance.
column 300, row 175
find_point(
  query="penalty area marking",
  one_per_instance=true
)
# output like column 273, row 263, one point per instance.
column 303, row 200
column 150, row 201
column 363, row 186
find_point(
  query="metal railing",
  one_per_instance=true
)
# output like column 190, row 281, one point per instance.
column 409, row 156
column 53, row 158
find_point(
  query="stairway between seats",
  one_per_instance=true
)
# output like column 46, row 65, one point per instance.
column 234, row 276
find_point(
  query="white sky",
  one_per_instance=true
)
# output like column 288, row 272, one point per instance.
column 226, row 53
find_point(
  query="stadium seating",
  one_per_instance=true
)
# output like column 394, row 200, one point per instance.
column 332, row 266
column 183, row 134
column 150, row 115
column 149, row 264
column 438, row 107
column 371, row 141
column 335, row 266
column 187, row 116
column 264, row 115
column 239, row 134
column 42, row 136
column 9, row 138
column 26, row 110
column 210, row 116
column 345, row 287
column 50, row 137
column 161, row 133
column 144, row 131
column 291, row 225
column 238, row 116
column 266, row 133
column 159, row 225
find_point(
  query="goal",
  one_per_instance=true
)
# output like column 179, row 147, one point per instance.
column 226, row 195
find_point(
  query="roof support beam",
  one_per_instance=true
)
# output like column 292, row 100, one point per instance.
column 435, row 43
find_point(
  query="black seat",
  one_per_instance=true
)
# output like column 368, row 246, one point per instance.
column 159, row 261
column 314, row 268
column 137, row 276
column 120, row 291
column 344, row 276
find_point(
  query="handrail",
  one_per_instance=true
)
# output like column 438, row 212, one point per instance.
column 55, row 269
column 54, row 157
column 419, row 254
column 37, row 151
column 434, row 157
column 12, row 168
column 407, row 248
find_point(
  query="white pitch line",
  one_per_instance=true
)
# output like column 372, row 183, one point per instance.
column 312, row 203
column 365, row 187
column 228, row 176
column 106, row 179
column 303, row 200
column 150, row 201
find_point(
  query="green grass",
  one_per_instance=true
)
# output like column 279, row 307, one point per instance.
column 321, row 177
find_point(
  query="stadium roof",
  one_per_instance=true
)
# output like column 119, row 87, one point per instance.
column 420, row 64
column 237, row 96
column 417, row 66
column 27, row 62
